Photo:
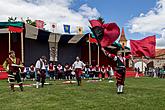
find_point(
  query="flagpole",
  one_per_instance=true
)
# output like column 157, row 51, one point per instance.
column 142, row 63
column 89, row 50
column 98, row 56
column 22, row 48
column 9, row 41
column 55, row 48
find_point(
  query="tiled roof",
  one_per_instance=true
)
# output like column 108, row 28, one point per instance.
column 160, row 52
column 122, row 36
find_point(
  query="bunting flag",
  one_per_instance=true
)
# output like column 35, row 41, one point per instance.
column 54, row 25
column 143, row 47
column 67, row 28
column 80, row 30
column 32, row 32
column 106, row 34
column 15, row 29
column 39, row 24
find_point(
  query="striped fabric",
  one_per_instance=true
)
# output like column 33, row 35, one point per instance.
column 42, row 35
column 31, row 32
column 4, row 30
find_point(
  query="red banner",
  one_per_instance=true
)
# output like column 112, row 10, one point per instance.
column 143, row 47
column 40, row 24
column 15, row 29
column 92, row 40
column 110, row 32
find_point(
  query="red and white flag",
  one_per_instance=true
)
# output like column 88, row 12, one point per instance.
column 40, row 24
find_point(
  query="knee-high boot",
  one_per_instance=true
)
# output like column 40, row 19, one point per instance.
column 12, row 87
column 78, row 81
column 21, row 86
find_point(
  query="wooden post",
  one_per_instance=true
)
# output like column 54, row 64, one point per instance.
column 89, row 50
column 22, row 48
column 98, row 56
column 9, row 41
column 142, row 63
column 55, row 58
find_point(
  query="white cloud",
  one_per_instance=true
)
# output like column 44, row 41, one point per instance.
column 152, row 22
column 51, row 11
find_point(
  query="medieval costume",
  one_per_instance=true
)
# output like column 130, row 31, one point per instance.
column 12, row 66
column 67, row 71
column 102, row 73
column 91, row 74
column 78, row 66
column 97, row 70
column 32, row 72
column 109, row 72
column 60, row 71
column 23, row 72
column 86, row 75
column 120, row 69
column 51, row 70
column 41, row 71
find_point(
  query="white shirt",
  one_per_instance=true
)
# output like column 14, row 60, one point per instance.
column 31, row 69
column 59, row 68
column 120, row 57
column 78, row 64
column 38, row 64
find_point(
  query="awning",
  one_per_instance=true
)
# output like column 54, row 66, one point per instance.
column 7, row 24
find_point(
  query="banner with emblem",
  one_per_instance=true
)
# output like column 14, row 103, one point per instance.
column 39, row 24
column 79, row 30
column 67, row 28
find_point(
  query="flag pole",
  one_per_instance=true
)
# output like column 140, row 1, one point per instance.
column 9, row 41
column 89, row 50
column 22, row 48
column 142, row 63
column 98, row 56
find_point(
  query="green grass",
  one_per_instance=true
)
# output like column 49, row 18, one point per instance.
column 140, row 94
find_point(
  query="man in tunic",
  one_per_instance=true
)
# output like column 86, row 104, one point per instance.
column 78, row 66
column 12, row 66
column 120, row 68
column 40, row 68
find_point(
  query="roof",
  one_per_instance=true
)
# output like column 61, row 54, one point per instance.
column 122, row 36
column 7, row 24
column 160, row 52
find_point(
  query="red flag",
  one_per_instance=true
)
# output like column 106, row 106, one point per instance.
column 92, row 40
column 15, row 29
column 40, row 24
column 143, row 47
column 95, row 23
column 110, row 32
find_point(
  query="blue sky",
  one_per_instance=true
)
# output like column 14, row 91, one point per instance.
column 119, row 11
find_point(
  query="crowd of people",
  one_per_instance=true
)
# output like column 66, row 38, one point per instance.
column 155, row 72
column 65, row 72
column 42, row 69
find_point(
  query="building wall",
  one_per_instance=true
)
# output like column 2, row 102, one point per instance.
column 34, row 49
column 68, row 52
column 159, row 61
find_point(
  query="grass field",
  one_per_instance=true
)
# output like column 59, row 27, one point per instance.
column 140, row 94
